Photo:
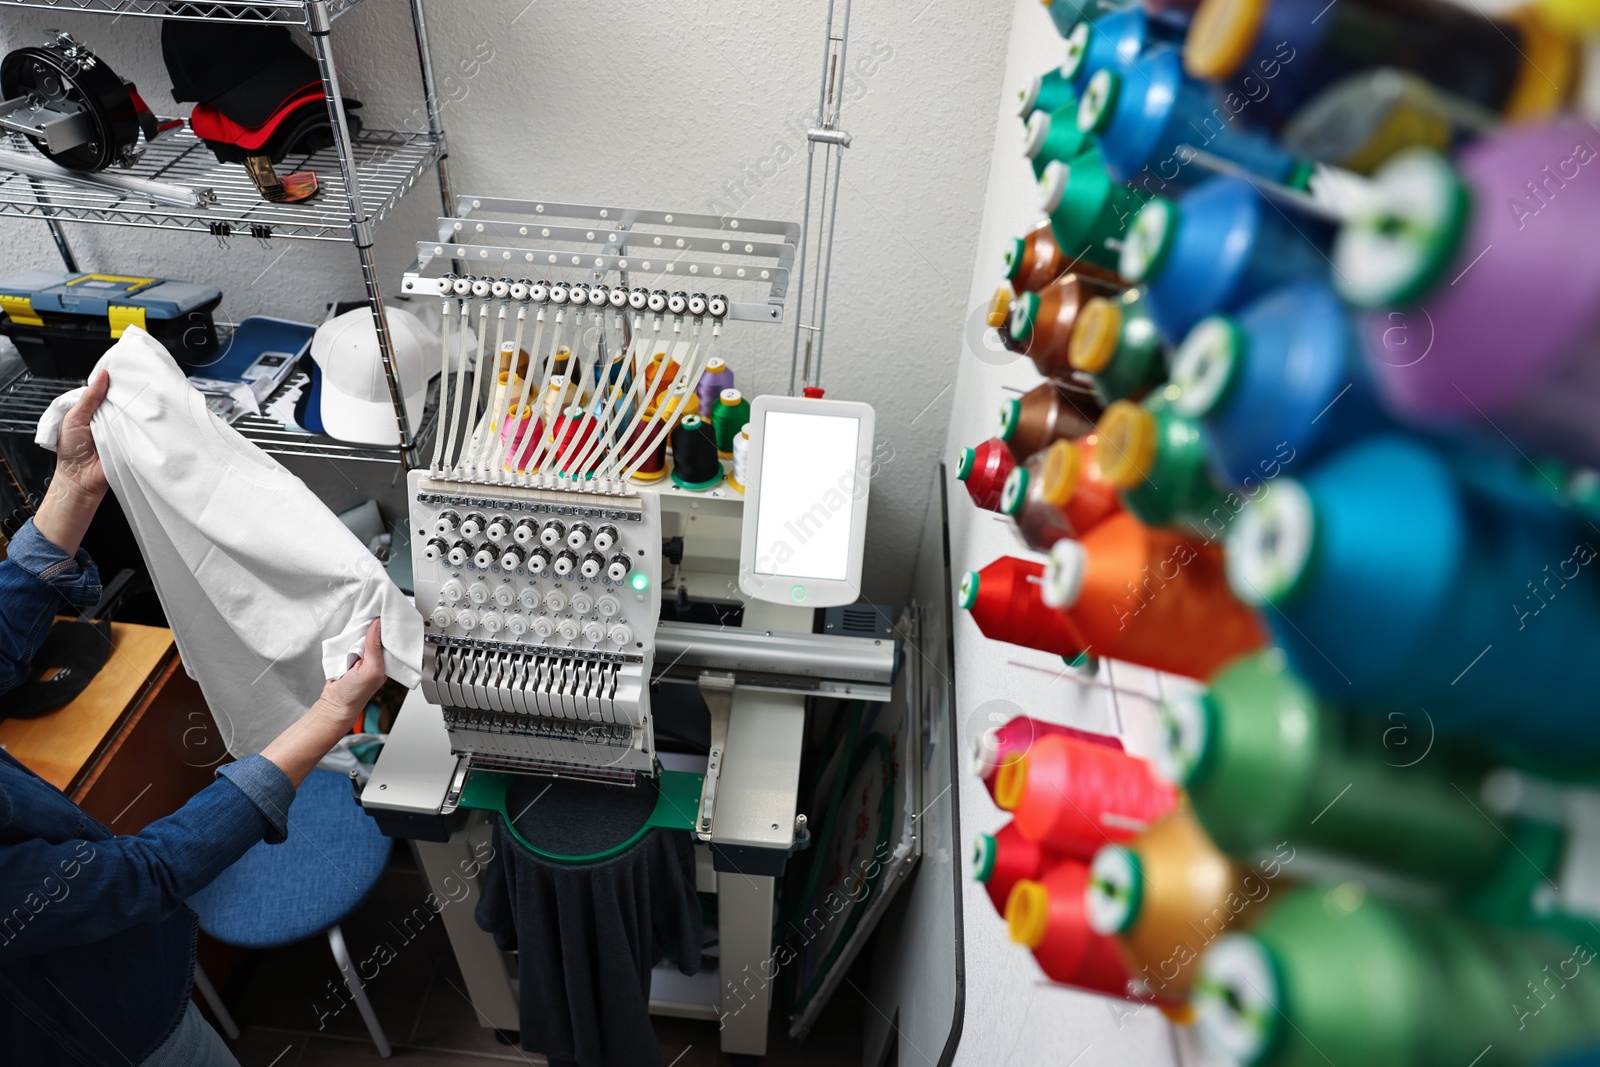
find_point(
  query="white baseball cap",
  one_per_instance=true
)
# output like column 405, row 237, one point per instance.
column 355, row 394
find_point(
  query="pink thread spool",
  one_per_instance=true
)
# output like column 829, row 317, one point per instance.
column 519, row 435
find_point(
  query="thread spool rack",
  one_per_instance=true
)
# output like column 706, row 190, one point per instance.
column 747, row 258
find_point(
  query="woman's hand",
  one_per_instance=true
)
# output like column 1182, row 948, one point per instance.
column 346, row 697
column 80, row 482
column 301, row 747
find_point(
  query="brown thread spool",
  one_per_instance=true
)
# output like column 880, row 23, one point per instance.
column 1049, row 412
column 1034, row 260
column 503, row 361
column 1166, row 896
column 1040, row 324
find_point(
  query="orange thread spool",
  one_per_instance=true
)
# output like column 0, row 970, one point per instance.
column 1002, row 859
column 1074, row 796
column 1059, row 493
column 1149, row 596
column 1048, row 916
column 1166, row 896
column 1004, row 601
column 659, row 373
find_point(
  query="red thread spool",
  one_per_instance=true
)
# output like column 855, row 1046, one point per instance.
column 572, row 432
column 1004, row 601
column 992, row 748
column 1004, row 858
column 1049, row 917
column 984, row 470
column 1075, row 797
column 1149, row 596
column 654, row 465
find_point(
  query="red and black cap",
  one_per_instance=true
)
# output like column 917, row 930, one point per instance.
column 245, row 72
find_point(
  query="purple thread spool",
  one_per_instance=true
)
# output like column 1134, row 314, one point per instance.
column 718, row 376
column 1488, row 281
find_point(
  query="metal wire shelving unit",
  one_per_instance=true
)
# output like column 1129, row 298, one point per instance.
column 363, row 177
column 387, row 162
column 287, row 12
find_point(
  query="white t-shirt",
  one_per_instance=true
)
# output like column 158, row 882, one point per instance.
column 267, row 593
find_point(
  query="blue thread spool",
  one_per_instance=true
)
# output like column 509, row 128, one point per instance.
column 1146, row 112
column 1215, row 249
column 1396, row 585
column 1281, row 379
column 1114, row 41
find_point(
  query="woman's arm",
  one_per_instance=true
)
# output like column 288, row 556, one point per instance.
column 78, row 892
column 79, row 483
column 45, row 570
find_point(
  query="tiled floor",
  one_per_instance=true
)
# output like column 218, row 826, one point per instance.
column 284, row 1001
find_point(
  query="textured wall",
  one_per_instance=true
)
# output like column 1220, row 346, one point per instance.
column 688, row 104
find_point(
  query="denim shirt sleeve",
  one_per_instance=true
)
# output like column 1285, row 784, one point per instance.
column 37, row 581
column 80, row 891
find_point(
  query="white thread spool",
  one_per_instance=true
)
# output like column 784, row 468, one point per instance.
column 741, row 458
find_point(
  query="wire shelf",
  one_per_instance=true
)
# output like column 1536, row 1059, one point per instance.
column 288, row 12
column 388, row 163
column 24, row 400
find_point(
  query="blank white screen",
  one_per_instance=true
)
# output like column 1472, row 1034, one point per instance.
column 808, row 495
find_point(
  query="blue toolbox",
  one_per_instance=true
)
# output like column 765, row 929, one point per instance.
column 63, row 323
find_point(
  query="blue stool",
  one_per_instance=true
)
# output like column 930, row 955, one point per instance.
column 278, row 894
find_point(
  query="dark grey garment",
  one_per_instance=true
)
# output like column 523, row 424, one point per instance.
column 588, row 935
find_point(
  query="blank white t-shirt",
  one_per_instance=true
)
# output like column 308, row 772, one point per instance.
column 267, row 593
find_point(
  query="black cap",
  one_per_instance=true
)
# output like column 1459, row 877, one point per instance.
column 246, row 72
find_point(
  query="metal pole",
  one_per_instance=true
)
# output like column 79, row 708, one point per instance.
column 56, row 232
column 419, row 25
column 804, row 251
column 360, row 224
column 830, row 103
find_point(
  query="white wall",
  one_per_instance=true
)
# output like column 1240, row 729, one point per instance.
column 690, row 104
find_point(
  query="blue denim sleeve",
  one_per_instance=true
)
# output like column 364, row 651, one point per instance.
column 81, row 891
column 37, row 581
column 269, row 790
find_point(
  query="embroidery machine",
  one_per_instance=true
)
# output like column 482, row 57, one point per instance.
column 541, row 559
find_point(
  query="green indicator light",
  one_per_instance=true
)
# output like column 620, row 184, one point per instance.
column 798, row 592
column 639, row 581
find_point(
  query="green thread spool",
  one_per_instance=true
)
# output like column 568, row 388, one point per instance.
column 1333, row 975
column 1053, row 136
column 1266, row 760
column 1116, row 343
column 1045, row 92
column 1157, row 460
column 728, row 418
column 1089, row 210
